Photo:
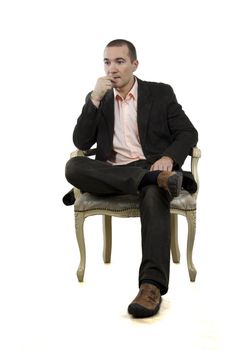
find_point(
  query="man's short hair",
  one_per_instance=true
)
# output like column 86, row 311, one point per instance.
column 122, row 42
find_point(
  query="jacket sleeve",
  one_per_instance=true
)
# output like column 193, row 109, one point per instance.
column 85, row 131
column 184, row 135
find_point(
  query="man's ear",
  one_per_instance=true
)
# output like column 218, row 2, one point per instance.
column 135, row 64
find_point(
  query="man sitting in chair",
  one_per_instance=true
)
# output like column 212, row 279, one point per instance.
column 143, row 137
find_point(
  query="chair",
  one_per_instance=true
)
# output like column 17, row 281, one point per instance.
column 87, row 204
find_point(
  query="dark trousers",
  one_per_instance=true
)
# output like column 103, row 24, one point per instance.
column 102, row 178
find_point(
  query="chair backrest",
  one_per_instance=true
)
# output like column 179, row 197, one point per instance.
column 195, row 155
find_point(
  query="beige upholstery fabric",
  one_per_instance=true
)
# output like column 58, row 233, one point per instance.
column 89, row 201
column 185, row 201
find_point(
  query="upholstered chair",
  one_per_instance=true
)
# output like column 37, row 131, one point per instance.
column 87, row 204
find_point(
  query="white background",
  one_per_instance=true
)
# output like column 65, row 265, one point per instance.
column 51, row 56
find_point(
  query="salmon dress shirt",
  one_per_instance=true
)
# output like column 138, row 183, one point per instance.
column 126, row 143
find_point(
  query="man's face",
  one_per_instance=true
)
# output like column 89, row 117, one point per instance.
column 118, row 66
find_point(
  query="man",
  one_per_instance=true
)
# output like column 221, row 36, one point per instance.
column 143, row 137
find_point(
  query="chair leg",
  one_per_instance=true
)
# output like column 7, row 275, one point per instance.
column 107, row 237
column 174, row 238
column 191, row 219
column 79, row 221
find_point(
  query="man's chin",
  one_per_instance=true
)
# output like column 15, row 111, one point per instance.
column 116, row 84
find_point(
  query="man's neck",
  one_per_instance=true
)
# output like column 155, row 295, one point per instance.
column 126, row 89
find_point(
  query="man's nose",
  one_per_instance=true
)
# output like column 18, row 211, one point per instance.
column 112, row 68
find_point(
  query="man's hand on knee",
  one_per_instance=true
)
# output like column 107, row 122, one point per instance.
column 164, row 164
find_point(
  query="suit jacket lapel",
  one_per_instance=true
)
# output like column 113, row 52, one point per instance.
column 108, row 112
column 143, row 113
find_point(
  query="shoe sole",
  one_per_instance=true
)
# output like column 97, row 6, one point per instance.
column 139, row 311
column 175, row 184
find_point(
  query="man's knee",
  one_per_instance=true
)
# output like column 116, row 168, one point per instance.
column 151, row 191
column 73, row 166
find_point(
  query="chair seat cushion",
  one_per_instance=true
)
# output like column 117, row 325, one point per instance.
column 184, row 201
column 87, row 201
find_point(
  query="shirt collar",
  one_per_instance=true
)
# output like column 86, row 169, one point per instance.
column 132, row 93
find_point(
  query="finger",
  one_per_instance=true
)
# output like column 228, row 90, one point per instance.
column 169, row 168
column 153, row 167
column 161, row 167
column 108, row 78
column 108, row 83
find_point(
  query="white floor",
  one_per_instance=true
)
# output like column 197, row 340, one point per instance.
column 44, row 307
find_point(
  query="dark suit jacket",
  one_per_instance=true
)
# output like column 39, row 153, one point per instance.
column 164, row 129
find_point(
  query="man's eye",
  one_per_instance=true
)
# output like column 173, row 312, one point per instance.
column 120, row 61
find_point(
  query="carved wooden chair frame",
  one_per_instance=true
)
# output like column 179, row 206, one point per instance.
column 184, row 205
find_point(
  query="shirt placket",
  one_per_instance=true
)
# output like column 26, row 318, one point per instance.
column 127, row 138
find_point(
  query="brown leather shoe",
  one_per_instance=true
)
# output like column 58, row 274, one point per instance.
column 147, row 302
column 170, row 181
